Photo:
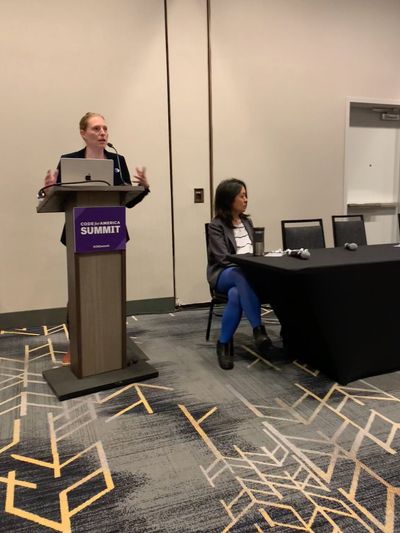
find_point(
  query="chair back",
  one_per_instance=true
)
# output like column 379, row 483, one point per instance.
column 212, row 292
column 348, row 228
column 206, row 233
column 305, row 233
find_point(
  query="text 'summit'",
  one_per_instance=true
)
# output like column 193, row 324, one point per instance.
column 100, row 228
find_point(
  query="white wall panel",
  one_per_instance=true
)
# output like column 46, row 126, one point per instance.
column 372, row 165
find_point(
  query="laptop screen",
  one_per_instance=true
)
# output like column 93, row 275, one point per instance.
column 87, row 171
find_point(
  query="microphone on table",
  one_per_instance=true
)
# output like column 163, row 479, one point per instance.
column 119, row 164
column 351, row 246
column 301, row 253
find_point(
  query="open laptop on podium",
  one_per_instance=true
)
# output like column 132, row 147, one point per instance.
column 79, row 171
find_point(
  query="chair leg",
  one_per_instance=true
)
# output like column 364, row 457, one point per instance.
column 209, row 319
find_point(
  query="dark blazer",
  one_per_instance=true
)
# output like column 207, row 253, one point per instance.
column 118, row 180
column 221, row 242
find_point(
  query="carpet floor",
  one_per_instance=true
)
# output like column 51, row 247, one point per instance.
column 271, row 445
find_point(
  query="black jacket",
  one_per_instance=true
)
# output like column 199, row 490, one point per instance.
column 221, row 242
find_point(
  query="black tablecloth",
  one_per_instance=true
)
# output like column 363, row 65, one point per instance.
column 339, row 308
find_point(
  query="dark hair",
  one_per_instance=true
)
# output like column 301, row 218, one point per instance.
column 225, row 195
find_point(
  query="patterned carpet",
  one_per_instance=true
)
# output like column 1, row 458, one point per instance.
column 268, row 446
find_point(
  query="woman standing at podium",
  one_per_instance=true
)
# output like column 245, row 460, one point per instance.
column 231, row 232
column 94, row 132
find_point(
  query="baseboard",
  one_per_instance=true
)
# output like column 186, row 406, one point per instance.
column 38, row 317
column 150, row 306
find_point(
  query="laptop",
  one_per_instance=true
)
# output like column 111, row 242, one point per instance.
column 87, row 171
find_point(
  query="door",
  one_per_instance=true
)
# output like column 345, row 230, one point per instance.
column 372, row 167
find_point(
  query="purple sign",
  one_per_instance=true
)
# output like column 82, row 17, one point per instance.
column 99, row 229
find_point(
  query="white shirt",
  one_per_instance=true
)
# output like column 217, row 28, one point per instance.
column 243, row 242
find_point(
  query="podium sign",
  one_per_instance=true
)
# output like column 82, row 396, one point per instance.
column 99, row 229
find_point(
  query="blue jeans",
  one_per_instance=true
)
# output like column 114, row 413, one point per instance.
column 241, row 298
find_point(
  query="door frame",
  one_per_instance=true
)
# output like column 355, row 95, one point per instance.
column 373, row 102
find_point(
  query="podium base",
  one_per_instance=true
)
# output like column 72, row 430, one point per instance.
column 66, row 385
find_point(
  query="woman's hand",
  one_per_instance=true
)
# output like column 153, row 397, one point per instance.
column 50, row 179
column 140, row 177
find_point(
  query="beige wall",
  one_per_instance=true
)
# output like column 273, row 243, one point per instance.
column 187, row 44
column 60, row 59
column 281, row 72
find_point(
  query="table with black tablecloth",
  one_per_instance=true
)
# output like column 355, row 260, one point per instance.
column 339, row 309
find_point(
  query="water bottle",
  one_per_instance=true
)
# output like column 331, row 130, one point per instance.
column 258, row 248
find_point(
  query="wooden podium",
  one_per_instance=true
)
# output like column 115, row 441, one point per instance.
column 102, row 356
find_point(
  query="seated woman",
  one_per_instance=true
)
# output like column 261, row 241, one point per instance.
column 231, row 232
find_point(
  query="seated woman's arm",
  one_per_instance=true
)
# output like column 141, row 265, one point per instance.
column 218, row 247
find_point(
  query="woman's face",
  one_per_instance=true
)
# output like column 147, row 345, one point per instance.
column 239, row 205
column 96, row 133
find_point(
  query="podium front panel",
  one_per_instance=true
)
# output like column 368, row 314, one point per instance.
column 96, row 300
column 101, row 318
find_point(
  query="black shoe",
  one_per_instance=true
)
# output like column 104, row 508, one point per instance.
column 225, row 355
column 261, row 340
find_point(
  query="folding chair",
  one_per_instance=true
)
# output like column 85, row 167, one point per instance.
column 305, row 233
column 348, row 228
